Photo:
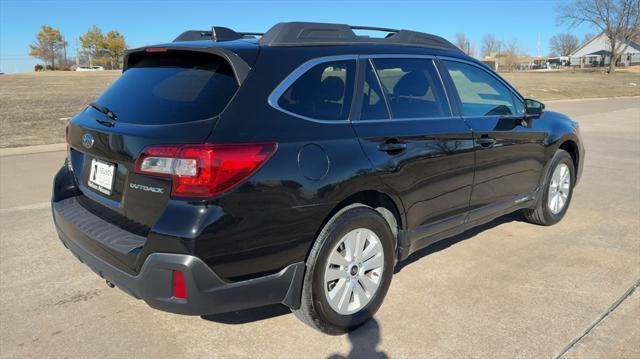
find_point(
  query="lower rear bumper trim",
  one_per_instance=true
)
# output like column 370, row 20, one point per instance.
column 207, row 293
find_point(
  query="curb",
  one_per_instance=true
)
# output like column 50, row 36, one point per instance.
column 28, row 150
column 593, row 99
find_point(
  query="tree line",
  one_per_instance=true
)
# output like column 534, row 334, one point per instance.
column 96, row 48
column 618, row 20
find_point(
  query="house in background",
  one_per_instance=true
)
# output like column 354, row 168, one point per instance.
column 596, row 52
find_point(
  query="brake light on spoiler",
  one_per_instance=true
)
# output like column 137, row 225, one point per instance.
column 204, row 170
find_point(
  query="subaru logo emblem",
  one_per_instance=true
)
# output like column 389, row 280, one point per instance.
column 87, row 140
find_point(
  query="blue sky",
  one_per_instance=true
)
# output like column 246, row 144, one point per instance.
column 146, row 22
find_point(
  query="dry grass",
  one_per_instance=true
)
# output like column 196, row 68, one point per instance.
column 31, row 105
column 560, row 85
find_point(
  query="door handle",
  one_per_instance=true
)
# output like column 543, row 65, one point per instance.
column 392, row 147
column 486, row 141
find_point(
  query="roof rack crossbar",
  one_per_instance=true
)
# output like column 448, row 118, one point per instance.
column 373, row 28
column 251, row 33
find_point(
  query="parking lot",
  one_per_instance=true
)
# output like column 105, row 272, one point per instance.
column 508, row 289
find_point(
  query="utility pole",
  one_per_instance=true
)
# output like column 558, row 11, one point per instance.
column 498, row 57
column 66, row 62
column 77, row 54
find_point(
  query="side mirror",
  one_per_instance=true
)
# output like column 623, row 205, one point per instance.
column 533, row 108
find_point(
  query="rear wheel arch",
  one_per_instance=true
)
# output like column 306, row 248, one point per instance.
column 379, row 201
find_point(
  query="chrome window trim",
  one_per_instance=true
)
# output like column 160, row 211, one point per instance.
column 439, row 118
column 284, row 85
column 397, row 56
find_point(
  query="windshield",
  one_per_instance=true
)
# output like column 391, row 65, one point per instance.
column 171, row 87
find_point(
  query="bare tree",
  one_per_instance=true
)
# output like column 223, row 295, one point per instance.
column 619, row 20
column 463, row 43
column 511, row 53
column 563, row 44
column 489, row 44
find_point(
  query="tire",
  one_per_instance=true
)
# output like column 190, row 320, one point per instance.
column 315, row 309
column 546, row 212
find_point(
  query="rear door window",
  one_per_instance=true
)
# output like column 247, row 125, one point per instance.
column 171, row 87
column 481, row 93
column 412, row 87
column 324, row 92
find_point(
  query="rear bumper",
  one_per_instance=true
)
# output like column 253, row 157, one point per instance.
column 207, row 293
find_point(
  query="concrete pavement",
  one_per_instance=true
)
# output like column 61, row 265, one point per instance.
column 508, row 289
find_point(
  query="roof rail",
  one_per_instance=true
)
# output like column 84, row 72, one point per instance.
column 217, row 34
column 308, row 33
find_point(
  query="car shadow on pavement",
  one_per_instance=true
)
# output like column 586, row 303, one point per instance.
column 249, row 315
column 446, row 243
column 364, row 341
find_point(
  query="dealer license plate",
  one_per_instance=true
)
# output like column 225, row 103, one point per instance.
column 101, row 176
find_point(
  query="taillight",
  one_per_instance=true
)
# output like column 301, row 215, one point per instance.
column 204, row 170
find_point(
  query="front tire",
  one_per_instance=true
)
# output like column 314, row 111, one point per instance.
column 556, row 193
column 348, row 271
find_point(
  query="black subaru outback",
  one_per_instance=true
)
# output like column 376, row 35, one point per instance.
column 227, row 170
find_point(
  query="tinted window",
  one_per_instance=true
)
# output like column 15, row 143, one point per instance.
column 323, row 92
column 481, row 94
column 412, row 88
column 373, row 104
column 171, row 87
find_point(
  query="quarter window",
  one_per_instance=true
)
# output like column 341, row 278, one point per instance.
column 481, row 94
column 323, row 92
column 412, row 88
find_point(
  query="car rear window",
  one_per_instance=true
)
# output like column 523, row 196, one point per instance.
column 171, row 87
column 322, row 93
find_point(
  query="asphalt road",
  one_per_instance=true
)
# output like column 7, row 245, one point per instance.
column 508, row 289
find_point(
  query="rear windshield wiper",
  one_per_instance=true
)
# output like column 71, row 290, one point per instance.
column 112, row 116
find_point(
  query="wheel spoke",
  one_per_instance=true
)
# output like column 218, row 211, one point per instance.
column 370, row 251
column 373, row 263
column 358, row 246
column 346, row 296
column 337, row 259
column 369, row 285
column 333, row 273
column 360, row 297
column 336, row 294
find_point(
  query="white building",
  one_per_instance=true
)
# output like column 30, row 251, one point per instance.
column 596, row 52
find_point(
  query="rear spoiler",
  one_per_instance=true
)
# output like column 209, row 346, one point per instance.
column 238, row 65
